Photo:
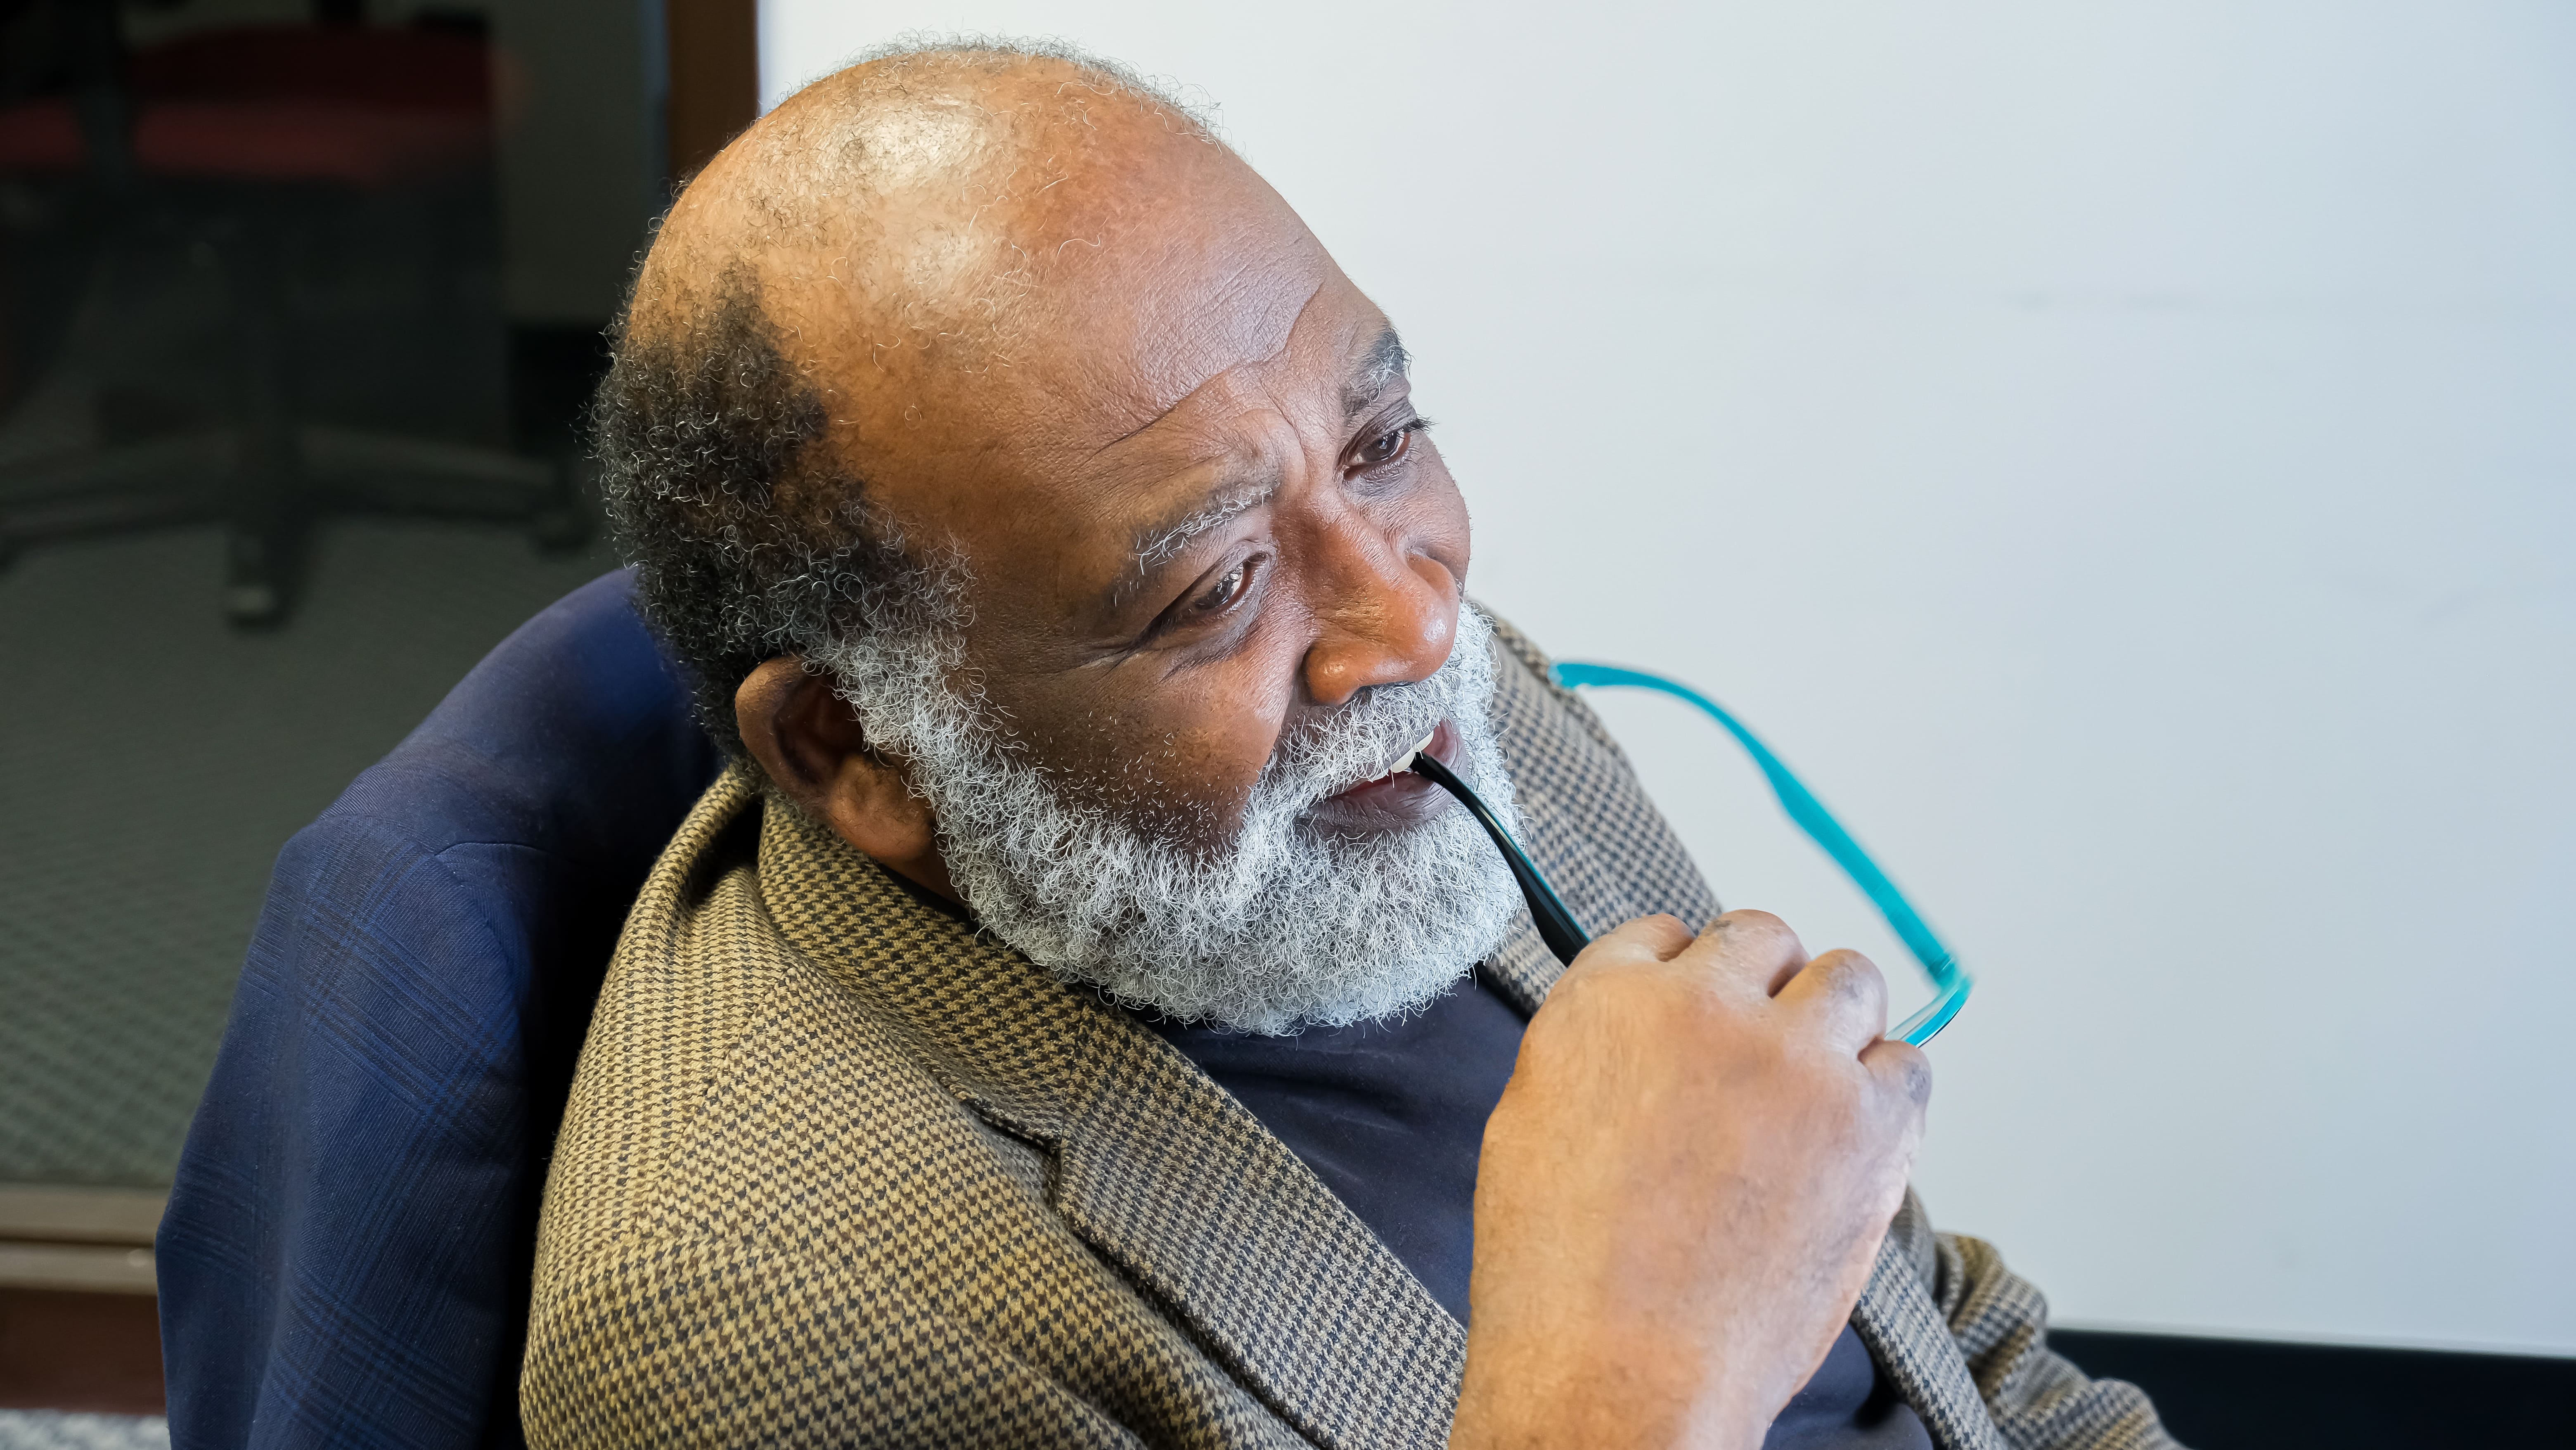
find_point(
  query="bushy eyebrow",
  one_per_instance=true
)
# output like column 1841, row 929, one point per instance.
column 1156, row 543
column 1386, row 361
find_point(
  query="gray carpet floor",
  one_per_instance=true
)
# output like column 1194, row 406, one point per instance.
column 152, row 761
column 54, row 1430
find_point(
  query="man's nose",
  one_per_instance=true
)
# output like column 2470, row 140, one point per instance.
column 1393, row 624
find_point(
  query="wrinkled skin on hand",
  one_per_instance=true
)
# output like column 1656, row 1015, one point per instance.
column 1684, row 1188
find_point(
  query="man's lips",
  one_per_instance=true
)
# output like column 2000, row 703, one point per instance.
column 1396, row 799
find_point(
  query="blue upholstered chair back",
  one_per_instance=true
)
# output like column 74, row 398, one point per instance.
column 346, row 1254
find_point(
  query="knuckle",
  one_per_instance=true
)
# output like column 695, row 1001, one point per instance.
column 1753, row 941
column 1750, row 922
column 1651, row 936
column 1851, row 960
column 1853, row 975
column 1670, row 932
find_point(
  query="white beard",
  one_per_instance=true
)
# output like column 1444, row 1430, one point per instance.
column 1284, row 927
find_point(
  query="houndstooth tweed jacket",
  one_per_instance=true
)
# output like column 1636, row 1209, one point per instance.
column 840, row 1170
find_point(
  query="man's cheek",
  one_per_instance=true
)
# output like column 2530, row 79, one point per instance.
column 1213, row 769
column 1180, row 781
column 1220, row 741
column 1177, row 756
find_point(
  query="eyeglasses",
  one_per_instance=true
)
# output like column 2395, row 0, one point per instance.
column 1564, row 935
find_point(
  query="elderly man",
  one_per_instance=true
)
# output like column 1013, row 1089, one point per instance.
column 1066, row 1023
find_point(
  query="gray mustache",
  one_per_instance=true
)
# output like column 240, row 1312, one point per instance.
column 1360, row 740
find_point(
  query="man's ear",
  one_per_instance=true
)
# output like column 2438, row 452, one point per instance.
column 808, row 740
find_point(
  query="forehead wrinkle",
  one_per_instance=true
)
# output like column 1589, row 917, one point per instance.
column 1231, row 287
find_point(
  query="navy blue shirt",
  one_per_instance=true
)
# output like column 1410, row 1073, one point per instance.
column 1392, row 1117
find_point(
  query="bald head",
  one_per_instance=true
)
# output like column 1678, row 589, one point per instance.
column 935, row 200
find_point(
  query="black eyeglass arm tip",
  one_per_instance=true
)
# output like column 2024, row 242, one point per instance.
column 1556, row 925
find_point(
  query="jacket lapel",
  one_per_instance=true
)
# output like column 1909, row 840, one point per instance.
column 1173, row 1180
column 1159, row 1170
column 1911, row 1341
column 1556, row 750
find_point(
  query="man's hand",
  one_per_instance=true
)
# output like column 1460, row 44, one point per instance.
column 1683, row 1188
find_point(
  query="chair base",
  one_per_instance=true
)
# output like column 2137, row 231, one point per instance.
column 268, row 503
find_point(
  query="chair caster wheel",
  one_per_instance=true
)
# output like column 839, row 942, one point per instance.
column 254, row 603
column 257, row 575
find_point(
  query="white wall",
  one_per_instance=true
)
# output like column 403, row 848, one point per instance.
column 2126, row 456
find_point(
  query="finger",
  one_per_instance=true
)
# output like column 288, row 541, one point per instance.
column 1753, row 947
column 1847, row 989
column 1660, row 936
column 1903, row 1075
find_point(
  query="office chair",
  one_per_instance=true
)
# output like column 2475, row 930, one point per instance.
column 255, row 142
column 347, row 1251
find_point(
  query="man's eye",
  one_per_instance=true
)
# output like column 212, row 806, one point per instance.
column 1224, row 591
column 1387, row 447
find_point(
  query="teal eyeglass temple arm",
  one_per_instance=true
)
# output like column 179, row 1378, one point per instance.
column 1564, row 935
